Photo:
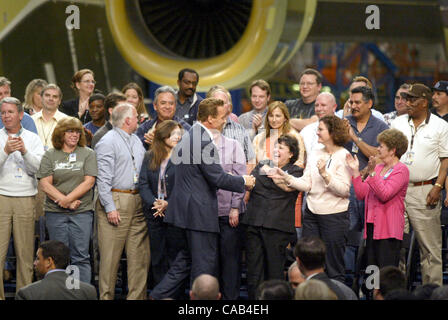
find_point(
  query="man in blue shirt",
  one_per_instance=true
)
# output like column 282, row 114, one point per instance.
column 5, row 91
column 364, row 129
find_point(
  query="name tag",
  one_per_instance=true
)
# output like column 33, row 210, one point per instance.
column 18, row 173
column 355, row 148
column 409, row 159
column 135, row 178
column 72, row 157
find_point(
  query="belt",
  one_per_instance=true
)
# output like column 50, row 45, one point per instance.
column 135, row 191
column 422, row 183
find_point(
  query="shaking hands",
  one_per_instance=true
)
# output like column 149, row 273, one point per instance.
column 249, row 182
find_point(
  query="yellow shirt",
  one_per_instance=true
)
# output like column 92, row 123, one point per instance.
column 45, row 128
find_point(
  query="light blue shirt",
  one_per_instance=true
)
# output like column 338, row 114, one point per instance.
column 119, row 156
column 27, row 122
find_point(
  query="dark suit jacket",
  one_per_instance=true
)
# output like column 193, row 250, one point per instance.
column 269, row 206
column 148, row 184
column 198, row 174
column 53, row 287
column 71, row 107
column 334, row 287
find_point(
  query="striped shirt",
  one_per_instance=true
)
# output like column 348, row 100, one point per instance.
column 237, row 132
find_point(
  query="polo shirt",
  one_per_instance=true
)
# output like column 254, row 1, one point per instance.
column 430, row 143
column 369, row 134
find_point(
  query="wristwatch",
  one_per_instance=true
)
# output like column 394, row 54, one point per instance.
column 373, row 174
column 325, row 175
column 359, row 139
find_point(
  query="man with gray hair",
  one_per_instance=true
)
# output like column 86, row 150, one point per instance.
column 20, row 154
column 165, row 107
column 5, row 91
column 205, row 287
column 121, row 223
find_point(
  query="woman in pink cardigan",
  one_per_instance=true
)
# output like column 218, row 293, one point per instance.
column 383, row 189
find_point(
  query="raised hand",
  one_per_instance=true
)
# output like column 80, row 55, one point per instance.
column 353, row 164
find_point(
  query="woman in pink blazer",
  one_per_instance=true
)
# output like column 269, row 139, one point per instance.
column 383, row 187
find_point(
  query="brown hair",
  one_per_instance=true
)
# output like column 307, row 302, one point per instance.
column 314, row 72
column 158, row 147
column 286, row 126
column 338, row 130
column 362, row 79
column 394, row 139
column 209, row 107
column 32, row 86
column 140, row 106
column 78, row 76
column 66, row 124
column 262, row 84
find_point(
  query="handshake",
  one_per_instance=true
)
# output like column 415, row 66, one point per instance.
column 249, row 182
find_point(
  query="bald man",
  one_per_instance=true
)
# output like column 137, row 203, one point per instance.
column 205, row 287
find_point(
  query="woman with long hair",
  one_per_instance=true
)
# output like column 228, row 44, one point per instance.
column 33, row 100
column 134, row 95
column 155, row 184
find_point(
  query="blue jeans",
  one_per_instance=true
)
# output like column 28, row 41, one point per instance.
column 356, row 215
column 74, row 230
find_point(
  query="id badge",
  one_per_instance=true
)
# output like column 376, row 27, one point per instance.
column 46, row 148
column 409, row 158
column 355, row 148
column 72, row 157
column 18, row 173
column 135, row 178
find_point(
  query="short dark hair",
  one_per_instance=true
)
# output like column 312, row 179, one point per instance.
column 113, row 98
column 314, row 72
column 274, row 289
column 311, row 252
column 424, row 291
column 391, row 278
column 58, row 251
column 182, row 72
column 292, row 144
column 97, row 96
column 367, row 93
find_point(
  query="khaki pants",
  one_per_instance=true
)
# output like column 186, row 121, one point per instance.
column 40, row 200
column 426, row 224
column 17, row 214
column 132, row 235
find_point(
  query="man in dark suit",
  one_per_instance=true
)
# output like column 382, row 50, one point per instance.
column 51, row 262
column 310, row 255
column 198, row 174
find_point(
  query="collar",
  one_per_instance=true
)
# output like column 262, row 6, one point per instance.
column 18, row 134
column 58, row 115
column 206, row 130
column 428, row 116
column 311, row 275
column 54, row 270
column 123, row 133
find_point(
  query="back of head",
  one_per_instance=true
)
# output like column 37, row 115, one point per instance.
column 58, row 251
column 209, row 107
column 314, row 290
column 205, row 287
column 391, row 278
column 311, row 252
column 122, row 111
column 440, row 293
column 113, row 99
column 400, row 294
column 424, row 291
column 274, row 290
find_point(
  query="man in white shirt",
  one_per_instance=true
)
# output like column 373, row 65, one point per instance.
column 427, row 160
column 20, row 155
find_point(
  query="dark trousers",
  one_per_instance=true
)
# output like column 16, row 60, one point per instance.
column 230, row 245
column 265, row 256
column 332, row 229
column 165, row 242
column 383, row 252
column 200, row 255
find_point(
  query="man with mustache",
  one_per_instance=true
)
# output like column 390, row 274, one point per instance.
column 364, row 129
column 427, row 160
column 187, row 102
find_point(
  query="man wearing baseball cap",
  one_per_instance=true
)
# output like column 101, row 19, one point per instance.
column 440, row 99
column 427, row 160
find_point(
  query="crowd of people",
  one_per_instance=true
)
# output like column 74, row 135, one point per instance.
column 192, row 193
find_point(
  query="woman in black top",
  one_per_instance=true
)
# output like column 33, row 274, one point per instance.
column 270, row 216
column 155, row 184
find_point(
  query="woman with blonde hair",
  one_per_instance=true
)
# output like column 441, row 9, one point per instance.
column 83, row 83
column 314, row 289
column 33, row 100
column 67, row 175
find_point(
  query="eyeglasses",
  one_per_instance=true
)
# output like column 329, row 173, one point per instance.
column 89, row 81
column 308, row 84
column 411, row 99
column 77, row 131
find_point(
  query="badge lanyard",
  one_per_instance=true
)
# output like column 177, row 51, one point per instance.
column 133, row 159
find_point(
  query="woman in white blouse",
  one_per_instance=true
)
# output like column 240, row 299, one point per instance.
column 327, row 180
